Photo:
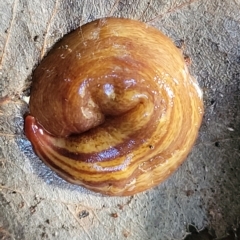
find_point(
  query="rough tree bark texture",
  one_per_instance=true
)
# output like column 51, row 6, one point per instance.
column 36, row 204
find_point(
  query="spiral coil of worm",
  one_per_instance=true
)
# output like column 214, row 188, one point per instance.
column 113, row 107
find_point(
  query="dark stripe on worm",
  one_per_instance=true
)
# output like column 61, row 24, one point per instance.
column 71, row 178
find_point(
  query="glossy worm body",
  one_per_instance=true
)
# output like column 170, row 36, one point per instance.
column 113, row 107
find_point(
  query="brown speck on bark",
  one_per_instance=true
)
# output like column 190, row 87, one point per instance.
column 189, row 193
column 33, row 209
column 120, row 206
column 114, row 215
column 126, row 233
column 83, row 214
column 21, row 205
column 187, row 60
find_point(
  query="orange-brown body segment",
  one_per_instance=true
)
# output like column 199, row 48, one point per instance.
column 113, row 107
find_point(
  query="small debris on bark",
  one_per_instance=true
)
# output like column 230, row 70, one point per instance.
column 83, row 214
